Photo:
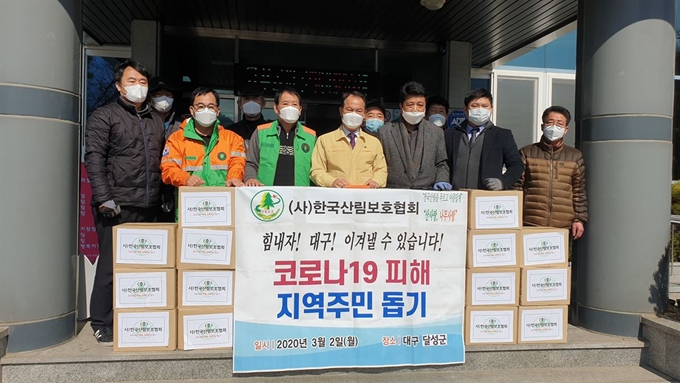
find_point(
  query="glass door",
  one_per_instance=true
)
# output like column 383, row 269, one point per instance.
column 520, row 97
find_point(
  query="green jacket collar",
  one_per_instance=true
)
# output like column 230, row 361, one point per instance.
column 275, row 129
column 190, row 132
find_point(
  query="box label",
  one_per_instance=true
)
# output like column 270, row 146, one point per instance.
column 542, row 325
column 547, row 285
column 544, row 248
column 208, row 331
column 494, row 288
column 203, row 288
column 137, row 290
column 144, row 329
column 491, row 250
column 210, row 247
column 492, row 327
column 497, row 212
column 142, row 246
column 206, row 209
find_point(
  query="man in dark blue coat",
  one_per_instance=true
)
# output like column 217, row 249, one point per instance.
column 478, row 150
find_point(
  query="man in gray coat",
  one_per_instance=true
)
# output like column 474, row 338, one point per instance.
column 414, row 147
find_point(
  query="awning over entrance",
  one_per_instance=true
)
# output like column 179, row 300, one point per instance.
column 494, row 28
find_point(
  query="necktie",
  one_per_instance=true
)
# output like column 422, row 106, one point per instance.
column 352, row 139
column 473, row 136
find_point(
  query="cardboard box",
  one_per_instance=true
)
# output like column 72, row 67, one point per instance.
column 205, row 329
column 545, row 246
column 542, row 324
column 490, row 325
column 495, row 209
column 545, row 286
column 144, row 245
column 145, row 289
column 205, row 206
column 213, row 288
column 206, row 248
column 494, row 248
column 493, row 287
column 144, row 330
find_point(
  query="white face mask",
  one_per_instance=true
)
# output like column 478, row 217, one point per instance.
column 553, row 133
column 251, row 108
column 205, row 118
column 437, row 119
column 290, row 114
column 135, row 93
column 479, row 116
column 163, row 103
column 413, row 118
column 352, row 120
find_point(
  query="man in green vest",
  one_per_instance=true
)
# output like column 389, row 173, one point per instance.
column 280, row 152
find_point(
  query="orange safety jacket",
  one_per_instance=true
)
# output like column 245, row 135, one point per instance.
column 186, row 154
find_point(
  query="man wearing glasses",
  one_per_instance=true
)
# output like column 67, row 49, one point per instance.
column 202, row 153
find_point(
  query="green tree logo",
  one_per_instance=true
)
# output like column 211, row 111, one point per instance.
column 267, row 205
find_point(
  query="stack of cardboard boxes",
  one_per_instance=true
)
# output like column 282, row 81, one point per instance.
column 174, row 286
column 545, row 288
column 144, row 287
column 517, row 278
column 205, row 263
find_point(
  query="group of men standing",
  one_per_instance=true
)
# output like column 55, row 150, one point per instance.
column 138, row 151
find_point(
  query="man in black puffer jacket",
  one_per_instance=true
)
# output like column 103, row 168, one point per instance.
column 123, row 145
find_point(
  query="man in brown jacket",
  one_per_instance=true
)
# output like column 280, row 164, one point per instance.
column 554, row 180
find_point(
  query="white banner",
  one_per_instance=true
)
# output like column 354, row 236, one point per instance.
column 348, row 278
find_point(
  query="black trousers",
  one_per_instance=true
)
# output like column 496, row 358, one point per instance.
column 101, row 300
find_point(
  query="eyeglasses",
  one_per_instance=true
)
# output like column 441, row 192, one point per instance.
column 201, row 107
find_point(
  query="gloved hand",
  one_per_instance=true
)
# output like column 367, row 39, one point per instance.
column 442, row 186
column 167, row 203
column 493, row 184
column 109, row 209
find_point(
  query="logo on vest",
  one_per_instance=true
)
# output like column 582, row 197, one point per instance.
column 221, row 156
column 267, row 205
column 305, row 147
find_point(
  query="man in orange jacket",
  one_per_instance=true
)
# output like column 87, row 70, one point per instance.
column 202, row 153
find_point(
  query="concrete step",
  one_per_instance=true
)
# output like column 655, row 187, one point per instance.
column 83, row 360
column 4, row 334
column 622, row 374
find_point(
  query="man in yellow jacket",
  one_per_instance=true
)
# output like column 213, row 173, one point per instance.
column 201, row 152
column 348, row 157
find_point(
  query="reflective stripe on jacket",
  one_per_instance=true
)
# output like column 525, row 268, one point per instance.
column 186, row 154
